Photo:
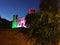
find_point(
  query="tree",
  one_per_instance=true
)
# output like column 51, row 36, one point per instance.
column 44, row 26
column 4, row 23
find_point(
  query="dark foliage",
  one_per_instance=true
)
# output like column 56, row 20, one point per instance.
column 44, row 25
column 29, row 17
column 4, row 23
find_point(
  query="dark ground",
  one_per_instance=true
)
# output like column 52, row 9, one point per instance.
column 13, row 37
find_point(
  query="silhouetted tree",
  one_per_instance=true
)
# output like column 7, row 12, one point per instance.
column 44, row 26
column 4, row 23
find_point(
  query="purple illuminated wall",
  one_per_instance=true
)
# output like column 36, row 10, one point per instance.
column 21, row 22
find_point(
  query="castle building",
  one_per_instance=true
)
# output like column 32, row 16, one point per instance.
column 16, row 23
column 22, row 22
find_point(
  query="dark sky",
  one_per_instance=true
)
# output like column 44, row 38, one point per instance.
column 10, row 7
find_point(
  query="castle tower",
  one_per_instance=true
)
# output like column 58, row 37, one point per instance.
column 29, row 17
column 15, row 21
column 31, row 11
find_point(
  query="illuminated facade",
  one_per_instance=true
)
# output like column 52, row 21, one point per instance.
column 21, row 22
column 31, row 11
column 16, row 23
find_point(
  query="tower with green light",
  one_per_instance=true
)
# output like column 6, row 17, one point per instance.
column 15, row 21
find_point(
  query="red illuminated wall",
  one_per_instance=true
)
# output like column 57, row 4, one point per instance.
column 31, row 11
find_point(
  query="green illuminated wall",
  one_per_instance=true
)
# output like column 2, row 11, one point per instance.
column 14, row 21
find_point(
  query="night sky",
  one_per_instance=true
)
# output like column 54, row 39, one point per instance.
column 10, row 7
